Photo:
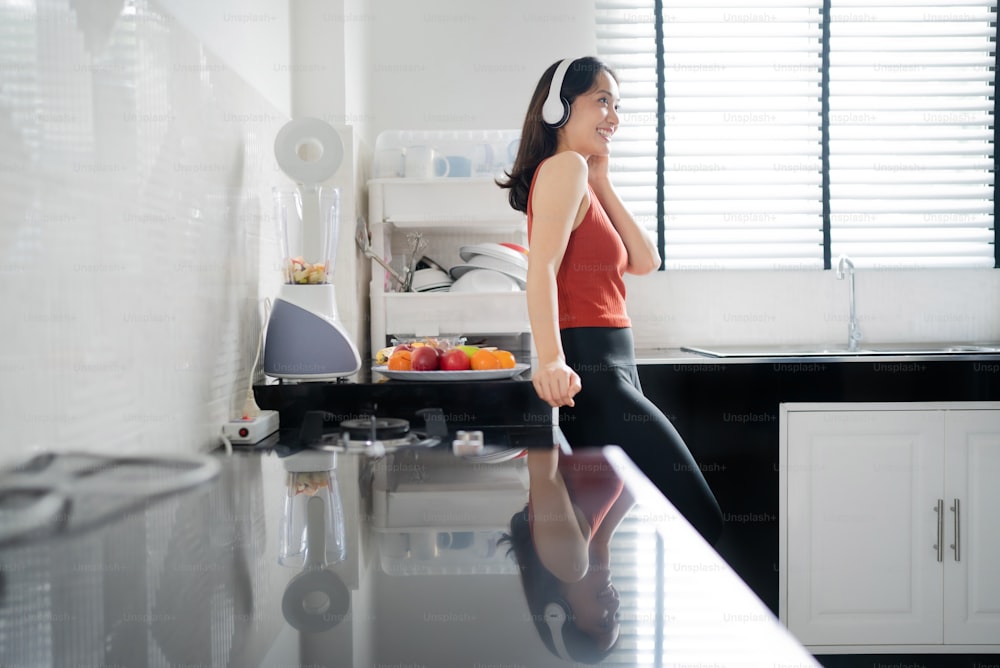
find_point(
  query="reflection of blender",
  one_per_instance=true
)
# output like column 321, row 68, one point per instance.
column 305, row 339
column 312, row 536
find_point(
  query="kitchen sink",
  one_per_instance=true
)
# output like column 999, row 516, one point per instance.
column 840, row 350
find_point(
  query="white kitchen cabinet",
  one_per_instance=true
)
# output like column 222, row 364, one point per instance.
column 449, row 213
column 972, row 499
column 887, row 522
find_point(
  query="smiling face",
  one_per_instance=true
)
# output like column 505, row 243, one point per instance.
column 595, row 602
column 593, row 119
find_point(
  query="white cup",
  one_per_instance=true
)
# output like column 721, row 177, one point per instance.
column 423, row 544
column 423, row 162
column 388, row 163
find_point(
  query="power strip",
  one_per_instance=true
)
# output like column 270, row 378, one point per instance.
column 253, row 430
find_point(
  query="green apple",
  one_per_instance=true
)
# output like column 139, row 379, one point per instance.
column 469, row 350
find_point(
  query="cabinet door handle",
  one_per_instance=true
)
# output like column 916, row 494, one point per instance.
column 939, row 545
column 957, row 545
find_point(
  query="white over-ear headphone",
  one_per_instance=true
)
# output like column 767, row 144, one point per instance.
column 555, row 617
column 555, row 109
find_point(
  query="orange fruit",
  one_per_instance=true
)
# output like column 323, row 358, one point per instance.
column 506, row 358
column 400, row 361
column 484, row 360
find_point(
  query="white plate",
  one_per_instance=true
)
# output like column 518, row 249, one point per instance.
column 489, row 374
column 485, row 280
column 495, row 251
column 518, row 275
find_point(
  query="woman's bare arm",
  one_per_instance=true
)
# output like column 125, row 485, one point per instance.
column 557, row 532
column 559, row 192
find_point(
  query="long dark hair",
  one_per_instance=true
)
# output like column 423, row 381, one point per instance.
column 541, row 587
column 538, row 138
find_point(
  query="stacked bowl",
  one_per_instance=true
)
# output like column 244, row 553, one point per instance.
column 430, row 277
column 490, row 267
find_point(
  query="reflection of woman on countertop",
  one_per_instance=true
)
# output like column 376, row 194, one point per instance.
column 583, row 240
column 561, row 541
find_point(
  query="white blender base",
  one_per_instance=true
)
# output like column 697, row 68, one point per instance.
column 305, row 340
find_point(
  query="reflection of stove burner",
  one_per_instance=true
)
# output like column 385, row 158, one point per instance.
column 374, row 428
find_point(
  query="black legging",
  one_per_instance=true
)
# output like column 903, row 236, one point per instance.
column 611, row 410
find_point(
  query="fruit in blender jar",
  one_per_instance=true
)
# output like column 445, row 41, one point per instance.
column 455, row 360
column 309, row 482
column 425, row 358
column 302, row 272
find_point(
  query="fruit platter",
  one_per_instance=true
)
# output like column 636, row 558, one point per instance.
column 445, row 359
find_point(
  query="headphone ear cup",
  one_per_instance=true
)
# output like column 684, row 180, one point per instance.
column 555, row 109
column 555, row 618
column 565, row 114
column 555, row 614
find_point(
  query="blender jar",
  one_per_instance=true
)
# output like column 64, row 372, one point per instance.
column 301, row 486
column 308, row 222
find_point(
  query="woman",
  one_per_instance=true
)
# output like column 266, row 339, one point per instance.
column 582, row 241
column 562, row 544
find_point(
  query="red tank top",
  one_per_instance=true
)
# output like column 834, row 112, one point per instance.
column 592, row 484
column 590, row 284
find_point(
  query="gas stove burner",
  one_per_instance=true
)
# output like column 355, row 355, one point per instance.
column 374, row 428
column 372, row 435
column 375, row 436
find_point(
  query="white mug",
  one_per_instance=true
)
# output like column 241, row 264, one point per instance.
column 423, row 162
column 388, row 163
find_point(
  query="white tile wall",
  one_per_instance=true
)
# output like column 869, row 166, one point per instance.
column 136, row 240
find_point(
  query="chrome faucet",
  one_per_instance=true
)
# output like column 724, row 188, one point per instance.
column 846, row 268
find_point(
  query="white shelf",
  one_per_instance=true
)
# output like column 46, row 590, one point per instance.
column 455, row 313
column 450, row 199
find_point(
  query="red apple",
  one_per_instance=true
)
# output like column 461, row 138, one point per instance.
column 455, row 359
column 424, row 358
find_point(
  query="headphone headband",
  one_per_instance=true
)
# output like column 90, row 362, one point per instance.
column 555, row 110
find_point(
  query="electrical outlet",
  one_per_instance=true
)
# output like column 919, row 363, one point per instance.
column 250, row 431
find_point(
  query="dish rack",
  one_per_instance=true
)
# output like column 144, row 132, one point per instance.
column 448, row 212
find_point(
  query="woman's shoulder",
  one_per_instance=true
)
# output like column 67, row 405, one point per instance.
column 563, row 166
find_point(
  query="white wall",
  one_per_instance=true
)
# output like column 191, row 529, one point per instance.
column 449, row 64
column 137, row 241
column 251, row 37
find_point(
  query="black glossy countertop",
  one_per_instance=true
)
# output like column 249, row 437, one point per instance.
column 412, row 575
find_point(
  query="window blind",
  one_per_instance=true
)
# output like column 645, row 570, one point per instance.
column 911, row 132
column 903, row 129
column 626, row 40
column 742, row 169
